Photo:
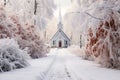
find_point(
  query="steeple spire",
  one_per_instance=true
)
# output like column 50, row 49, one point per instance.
column 60, row 16
column 60, row 25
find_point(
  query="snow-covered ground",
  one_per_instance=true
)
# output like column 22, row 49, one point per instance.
column 61, row 65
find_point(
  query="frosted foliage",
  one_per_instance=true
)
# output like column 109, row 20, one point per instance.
column 32, row 42
column 11, row 56
column 29, row 11
column 99, row 22
column 104, row 38
column 44, row 11
column 25, row 34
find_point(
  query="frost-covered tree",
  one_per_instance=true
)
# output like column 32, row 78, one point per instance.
column 34, row 11
column 104, row 37
column 26, row 34
column 99, row 22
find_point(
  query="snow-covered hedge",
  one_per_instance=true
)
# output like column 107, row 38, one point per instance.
column 11, row 56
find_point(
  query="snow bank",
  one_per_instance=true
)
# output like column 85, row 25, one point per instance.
column 77, row 50
column 11, row 57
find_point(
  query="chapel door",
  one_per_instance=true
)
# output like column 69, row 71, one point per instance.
column 60, row 44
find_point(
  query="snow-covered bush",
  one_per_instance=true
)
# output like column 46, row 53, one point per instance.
column 11, row 56
column 104, row 38
column 31, row 40
column 99, row 22
column 25, row 34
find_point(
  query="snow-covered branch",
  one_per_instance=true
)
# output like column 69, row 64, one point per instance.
column 86, row 14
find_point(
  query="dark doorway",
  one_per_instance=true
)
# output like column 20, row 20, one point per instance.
column 60, row 44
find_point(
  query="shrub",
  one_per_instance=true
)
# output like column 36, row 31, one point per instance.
column 11, row 56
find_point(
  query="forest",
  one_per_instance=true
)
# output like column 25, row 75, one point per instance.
column 92, row 25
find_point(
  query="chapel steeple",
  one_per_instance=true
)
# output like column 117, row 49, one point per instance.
column 60, row 25
column 60, row 39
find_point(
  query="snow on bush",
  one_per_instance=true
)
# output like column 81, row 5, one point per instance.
column 25, row 34
column 32, row 41
column 11, row 56
column 99, row 22
column 104, row 38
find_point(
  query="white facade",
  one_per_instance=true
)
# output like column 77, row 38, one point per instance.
column 60, row 40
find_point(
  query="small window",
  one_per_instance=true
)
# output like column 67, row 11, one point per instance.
column 53, row 42
column 66, row 42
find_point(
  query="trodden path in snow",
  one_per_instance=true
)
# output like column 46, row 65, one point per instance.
column 61, row 65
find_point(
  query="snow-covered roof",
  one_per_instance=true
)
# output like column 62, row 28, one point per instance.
column 60, row 32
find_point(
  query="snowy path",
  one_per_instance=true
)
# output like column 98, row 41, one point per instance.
column 61, row 65
column 58, row 70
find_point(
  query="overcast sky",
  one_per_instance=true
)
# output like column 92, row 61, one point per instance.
column 64, row 5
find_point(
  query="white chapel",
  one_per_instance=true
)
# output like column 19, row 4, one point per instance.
column 60, row 39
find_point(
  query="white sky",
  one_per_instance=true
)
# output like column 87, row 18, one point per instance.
column 64, row 5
